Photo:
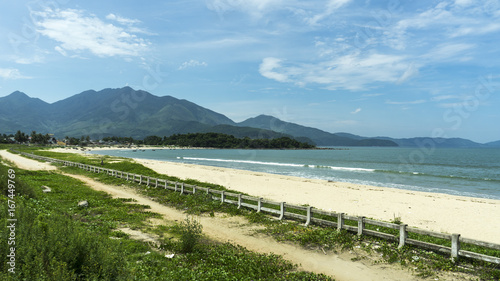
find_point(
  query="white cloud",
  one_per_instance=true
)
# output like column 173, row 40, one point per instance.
column 405, row 102
column 191, row 63
column 78, row 32
column 351, row 72
column 356, row 111
column 331, row 7
column 410, row 72
column 444, row 97
column 255, row 8
column 267, row 68
column 448, row 50
column 122, row 20
column 11, row 74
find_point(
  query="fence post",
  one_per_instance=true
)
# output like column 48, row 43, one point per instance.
column 361, row 225
column 147, row 182
column 222, row 197
column 282, row 210
column 455, row 246
column 127, row 176
column 156, row 183
column 140, row 179
column 340, row 221
column 182, row 188
column 166, row 184
column 239, row 201
column 194, row 189
column 309, row 214
column 402, row 235
column 175, row 188
column 259, row 205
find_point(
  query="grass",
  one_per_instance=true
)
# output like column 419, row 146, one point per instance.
column 56, row 240
column 425, row 263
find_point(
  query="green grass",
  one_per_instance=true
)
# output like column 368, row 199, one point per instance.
column 56, row 240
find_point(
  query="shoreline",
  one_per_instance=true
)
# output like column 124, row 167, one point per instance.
column 475, row 218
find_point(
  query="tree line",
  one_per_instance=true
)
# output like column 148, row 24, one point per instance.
column 219, row 140
column 213, row 140
column 22, row 137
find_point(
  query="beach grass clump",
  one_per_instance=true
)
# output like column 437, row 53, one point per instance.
column 190, row 230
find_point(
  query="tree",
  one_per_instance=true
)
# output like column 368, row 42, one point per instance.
column 21, row 137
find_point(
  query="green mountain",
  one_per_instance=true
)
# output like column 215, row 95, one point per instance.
column 319, row 137
column 126, row 112
column 20, row 112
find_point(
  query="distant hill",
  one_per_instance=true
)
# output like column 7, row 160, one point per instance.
column 126, row 112
column 422, row 141
column 319, row 137
column 493, row 144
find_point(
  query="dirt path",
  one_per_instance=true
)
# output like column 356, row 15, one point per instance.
column 237, row 231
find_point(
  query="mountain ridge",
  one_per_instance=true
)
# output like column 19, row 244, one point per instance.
column 137, row 113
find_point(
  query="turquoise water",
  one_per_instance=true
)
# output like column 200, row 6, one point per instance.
column 467, row 172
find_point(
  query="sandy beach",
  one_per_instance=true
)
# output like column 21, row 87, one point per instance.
column 474, row 218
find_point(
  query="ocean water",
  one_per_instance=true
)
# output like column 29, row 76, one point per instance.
column 466, row 172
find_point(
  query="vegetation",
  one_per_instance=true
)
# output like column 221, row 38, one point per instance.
column 218, row 140
column 425, row 263
column 57, row 240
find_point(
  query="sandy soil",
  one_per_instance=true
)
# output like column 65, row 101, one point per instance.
column 236, row 230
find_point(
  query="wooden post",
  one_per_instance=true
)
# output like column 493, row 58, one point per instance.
column 309, row 214
column 147, row 183
column 127, row 176
column 361, row 225
column 182, row 188
column 402, row 235
column 222, row 197
column 282, row 211
column 239, row 201
column 194, row 189
column 140, row 179
column 340, row 221
column 166, row 184
column 259, row 205
column 455, row 246
column 156, row 183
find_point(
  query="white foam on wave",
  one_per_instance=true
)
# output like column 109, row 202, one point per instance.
column 277, row 164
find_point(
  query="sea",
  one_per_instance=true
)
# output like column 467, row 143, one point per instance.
column 472, row 172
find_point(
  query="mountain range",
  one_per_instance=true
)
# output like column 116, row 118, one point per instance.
column 129, row 113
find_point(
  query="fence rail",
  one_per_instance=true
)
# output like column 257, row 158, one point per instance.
column 308, row 214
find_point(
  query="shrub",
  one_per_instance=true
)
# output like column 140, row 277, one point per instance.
column 191, row 230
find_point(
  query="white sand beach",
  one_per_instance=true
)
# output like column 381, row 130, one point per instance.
column 474, row 218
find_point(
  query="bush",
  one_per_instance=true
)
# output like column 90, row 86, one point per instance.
column 190, row 234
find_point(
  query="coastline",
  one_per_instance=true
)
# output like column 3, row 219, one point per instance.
column 474, row 218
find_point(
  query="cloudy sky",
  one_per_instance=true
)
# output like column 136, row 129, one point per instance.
column 394, row 68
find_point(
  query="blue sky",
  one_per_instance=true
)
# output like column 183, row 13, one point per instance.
column 373, row 68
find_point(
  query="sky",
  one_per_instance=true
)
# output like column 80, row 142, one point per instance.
column 373, row 68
